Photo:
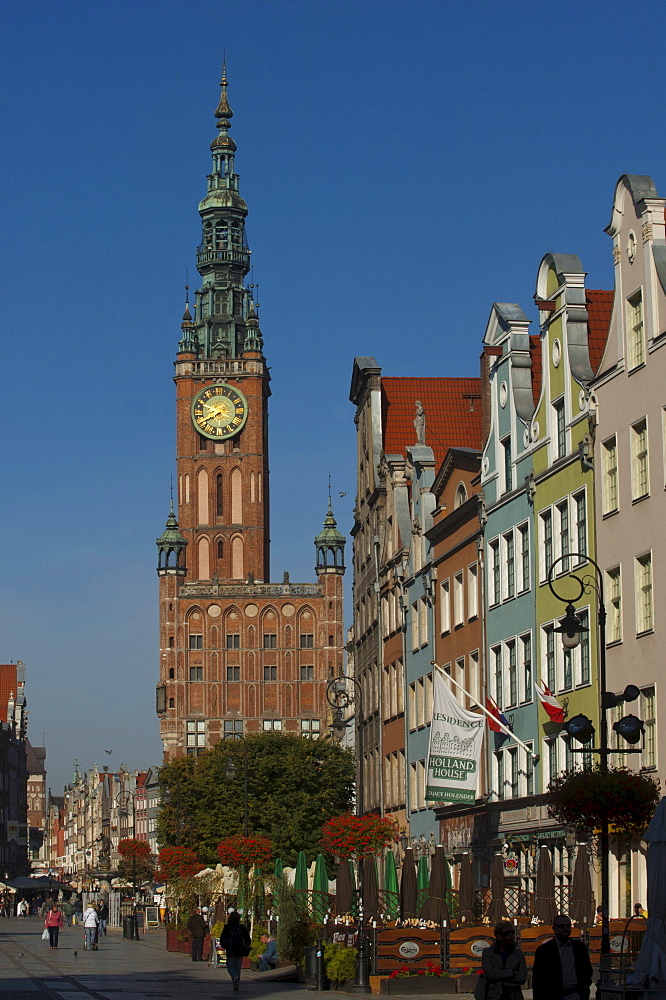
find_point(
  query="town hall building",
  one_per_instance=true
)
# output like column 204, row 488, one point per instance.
column 238, row 653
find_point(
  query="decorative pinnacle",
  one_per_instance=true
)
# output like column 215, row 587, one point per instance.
column 223, row 110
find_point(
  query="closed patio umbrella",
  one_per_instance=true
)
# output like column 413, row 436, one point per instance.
column 320, row 900
column 391, row 899
column 370, row 888
column 435, row 907
column 496, row 908
column 278, row 868
column 301, row 879
column 343, row 889
column 651, row 960
column 466, row 889
column 544, row 906
column 581, row 906
column 408, row 885
column 422, row 882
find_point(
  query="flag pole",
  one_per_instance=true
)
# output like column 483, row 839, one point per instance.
column 505, row 729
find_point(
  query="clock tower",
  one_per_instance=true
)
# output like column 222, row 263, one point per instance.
column 237, row 653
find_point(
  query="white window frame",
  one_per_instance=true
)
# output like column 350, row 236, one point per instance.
column 472, row 591
column 523, row 536
column 458, row 599
column 640, row 460
column 610, row 492
column 635, row 330
column 648, row 714
column 644, row 588
column 445, row 606
column 614, row 601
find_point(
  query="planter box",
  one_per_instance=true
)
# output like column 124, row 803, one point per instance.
column 419, row 984
column 376, row 982
column 467, row 982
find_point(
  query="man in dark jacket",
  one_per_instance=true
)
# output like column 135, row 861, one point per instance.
column 198, row 928
column 562, row 968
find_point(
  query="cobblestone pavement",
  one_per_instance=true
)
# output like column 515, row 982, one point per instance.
column 119, row 970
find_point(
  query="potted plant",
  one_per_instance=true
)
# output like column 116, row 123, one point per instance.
column 584, row 799
column 339, row 964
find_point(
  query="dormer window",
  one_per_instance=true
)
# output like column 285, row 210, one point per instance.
column 461, row 495
column 635, row 331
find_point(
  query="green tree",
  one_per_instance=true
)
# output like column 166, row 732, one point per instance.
column 294, row 786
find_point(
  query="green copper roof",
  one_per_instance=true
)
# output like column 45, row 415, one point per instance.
column 330, row 536
column 171, row 537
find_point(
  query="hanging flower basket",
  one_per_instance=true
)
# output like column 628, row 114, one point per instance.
column 584, row 799
column 349, row 835
column 240, row 851
column 178, row 862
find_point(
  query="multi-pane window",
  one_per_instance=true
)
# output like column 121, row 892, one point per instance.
column 563, row 516
column 196, row 673
column 552, row 759
column 513, row 757
column 233, row 673
column 270, row 672
column 609, row 480
column 524, row 542
column 423, row 620
column 196, row 641
column 648, row 710
column 311, row 728
column 526, row 642
column 513, row 673
column 500, row 775
column 529, row 772
column 445, row 607
column 567, row 680
column 196, row 735
column 560, row 429
column 233, row 641
column 497, row 656
column 272, row 724
column 550, row 657
column 614, row 587
column 270, row 640
column 547, row 536
column 584, row 649
column 415, row 626
column 307, row 672
column 307, row 640
column 636, row 330
column 644, row 604
column 581, row 524
column 472, row 591
column 640, row 486
column 458, row 598
column 233, row 728
column 510, row 557
column 494, row 572
column 508, row 470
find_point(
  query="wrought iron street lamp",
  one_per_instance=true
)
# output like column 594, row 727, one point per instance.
column 341, row 693
column 230, row 773
column 580, row 727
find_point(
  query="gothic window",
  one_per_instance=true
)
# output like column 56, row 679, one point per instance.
column 237, row 558
column 208, row 236
column 220, row 549
column 204, row 559
column 236, row 441
column 252, row 486
column 218, row 494
column 202, row 496
column 236, row 498
column 172, row 673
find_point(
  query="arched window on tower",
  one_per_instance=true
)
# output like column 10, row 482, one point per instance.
column 461, row 495
column 237, row 558
column 220, row 549
column 236, row 498
column 208, row 236
column 204, row 559
column 202, row 496
column 218, row 495
column 252, row 483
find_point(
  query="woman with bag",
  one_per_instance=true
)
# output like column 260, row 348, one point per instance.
column 235, row 939
column 52, row 925
column 504, row 968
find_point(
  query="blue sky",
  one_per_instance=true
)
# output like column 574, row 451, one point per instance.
column 405, row 165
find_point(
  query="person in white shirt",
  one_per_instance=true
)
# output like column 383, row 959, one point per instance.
column 90, row 923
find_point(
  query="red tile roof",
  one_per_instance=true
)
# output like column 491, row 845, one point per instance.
column 535, row 356
column 8, row 685
column 599, row 309
column 452, row 409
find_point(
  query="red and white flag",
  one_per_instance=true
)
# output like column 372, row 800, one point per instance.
column 549, row 702
column 495, row 716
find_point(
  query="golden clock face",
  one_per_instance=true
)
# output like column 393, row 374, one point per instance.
column 219, row 411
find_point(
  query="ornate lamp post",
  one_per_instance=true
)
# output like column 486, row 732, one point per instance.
column 580, row 727
column 230, row 773
column 339, row 696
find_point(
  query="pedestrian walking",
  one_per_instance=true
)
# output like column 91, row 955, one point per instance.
column 67, row 911
column 103, row 914
column 198, row 928
column 90, row 924
column 562, row 968
column 504, row 968
column 235, row 940
column 53, row 923
column 21, row 908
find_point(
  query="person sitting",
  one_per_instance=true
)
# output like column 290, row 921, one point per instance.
column 269, row 959
column 639, row 911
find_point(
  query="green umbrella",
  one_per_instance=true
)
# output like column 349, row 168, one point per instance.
column 301, row 880
column 391, row 897
column 278, row 868
column 320, row 900
column 422, row 882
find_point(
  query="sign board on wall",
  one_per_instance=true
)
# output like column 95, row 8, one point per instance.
column 454, row 753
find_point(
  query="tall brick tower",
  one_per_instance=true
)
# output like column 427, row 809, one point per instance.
column 237, row 653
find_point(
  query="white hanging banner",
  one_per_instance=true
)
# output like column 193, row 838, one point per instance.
column 454, row 753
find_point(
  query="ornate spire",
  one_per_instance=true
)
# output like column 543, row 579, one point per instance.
column 223, row 110
column 330, row 543
column 188, row 342
column 171, row 547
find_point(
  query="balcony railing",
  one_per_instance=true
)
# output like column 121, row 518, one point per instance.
column 209, row 255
